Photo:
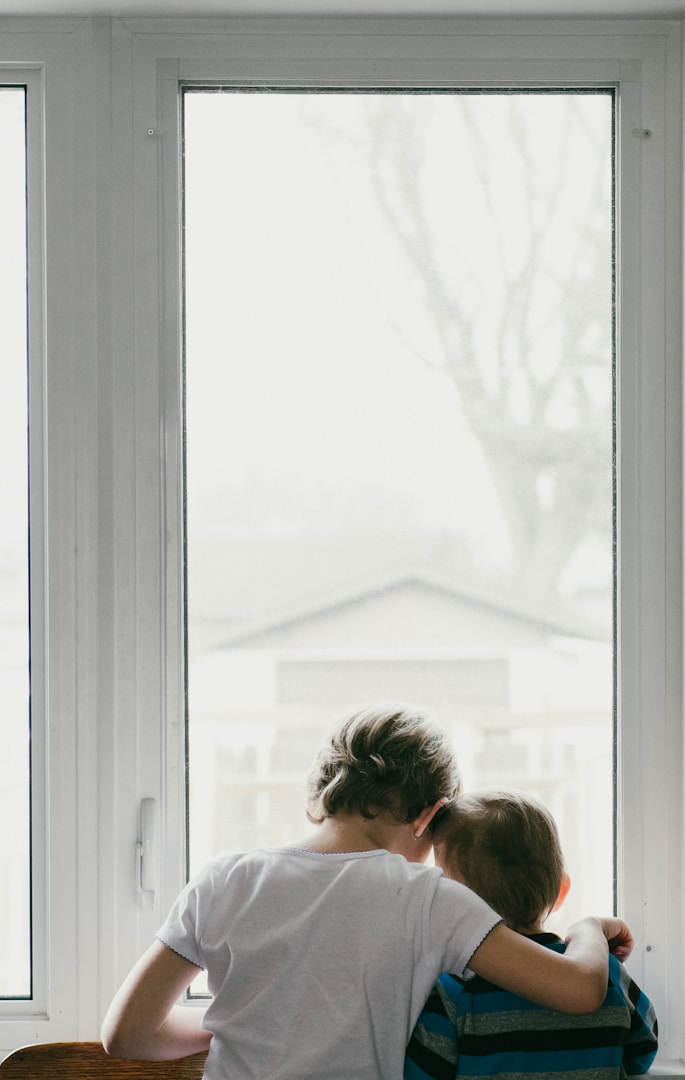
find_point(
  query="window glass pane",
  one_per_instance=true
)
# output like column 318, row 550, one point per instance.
column 15, row 934
column 399, row 485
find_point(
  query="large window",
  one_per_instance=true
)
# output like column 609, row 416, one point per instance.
column 399, row 386
column 378, row 323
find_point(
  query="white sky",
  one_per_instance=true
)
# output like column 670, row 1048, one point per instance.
column 307, row 336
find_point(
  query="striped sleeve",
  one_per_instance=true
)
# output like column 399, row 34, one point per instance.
column 642, row 1043
column 432, row 1053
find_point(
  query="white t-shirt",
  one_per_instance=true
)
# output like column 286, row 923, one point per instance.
column 319, row 965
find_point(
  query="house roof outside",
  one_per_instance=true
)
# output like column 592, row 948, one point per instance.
column 295, row 590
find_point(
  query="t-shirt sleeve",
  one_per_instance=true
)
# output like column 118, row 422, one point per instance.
column 180, row 931
column 458, row 923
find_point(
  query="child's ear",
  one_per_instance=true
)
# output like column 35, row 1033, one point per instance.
column 424, row 819
column 563, row 891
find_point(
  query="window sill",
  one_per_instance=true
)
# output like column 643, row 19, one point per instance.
column 669, row 1070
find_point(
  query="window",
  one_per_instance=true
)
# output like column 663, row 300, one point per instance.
column 401, row 63
column 41, row 442
column 15, row 847
column 398, row 312
column 105, row 349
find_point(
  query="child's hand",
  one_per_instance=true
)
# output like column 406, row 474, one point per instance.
column 618, row 936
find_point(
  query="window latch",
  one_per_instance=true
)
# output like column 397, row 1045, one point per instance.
column 147, row 847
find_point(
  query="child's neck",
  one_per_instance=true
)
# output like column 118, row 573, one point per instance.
column 347, row 833
column 536, row 928
column 335, row 835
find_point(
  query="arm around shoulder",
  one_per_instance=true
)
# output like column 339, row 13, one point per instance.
column 143, row 1020
column 573, row 982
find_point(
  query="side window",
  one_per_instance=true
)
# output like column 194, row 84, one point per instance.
column 41, row 790
column 15, row 765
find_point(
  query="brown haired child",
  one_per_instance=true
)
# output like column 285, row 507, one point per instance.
column 504, row 845
column 321, row 954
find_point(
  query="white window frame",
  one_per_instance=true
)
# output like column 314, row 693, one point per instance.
column 31, row 78
column 114, row 672
column 64, row 840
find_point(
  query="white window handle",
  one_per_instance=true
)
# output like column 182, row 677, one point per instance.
column 148, row 847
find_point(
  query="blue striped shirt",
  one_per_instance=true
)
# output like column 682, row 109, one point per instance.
column 474, row 1029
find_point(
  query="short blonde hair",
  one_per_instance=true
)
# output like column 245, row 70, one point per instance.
column 382, row 757
column 504, row 845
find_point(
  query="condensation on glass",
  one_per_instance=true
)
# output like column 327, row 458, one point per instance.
column 399, row 373
column 15, row 852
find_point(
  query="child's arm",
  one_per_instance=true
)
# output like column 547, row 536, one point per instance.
column 143, row 1020
column 573, row 982
column 433, row 1050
